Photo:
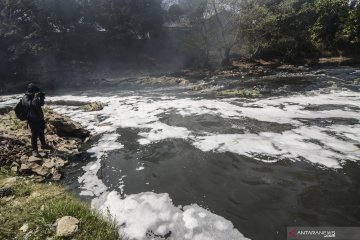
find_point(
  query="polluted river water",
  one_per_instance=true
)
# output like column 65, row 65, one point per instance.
column 174, row 163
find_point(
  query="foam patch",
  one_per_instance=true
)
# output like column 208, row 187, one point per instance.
column 150, row 215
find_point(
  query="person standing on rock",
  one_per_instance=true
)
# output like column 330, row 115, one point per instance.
column 33, row 100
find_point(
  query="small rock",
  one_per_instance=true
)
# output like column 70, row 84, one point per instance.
column 66, row 226
column 56, row 176
column 59, row 163
column 64, row 149
column 15, row 164
column 43, row 154
column 72, row 142
column 27, row 167
column 34, row 159
column 94, row 106
column 24, row 228
column 40, row 170
column 8, row 199
column 24, row 158
column 14, row 168
column 49, row 163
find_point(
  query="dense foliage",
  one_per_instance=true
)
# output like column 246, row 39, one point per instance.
column 42, row 32
column 284, row 29
column 34, row 31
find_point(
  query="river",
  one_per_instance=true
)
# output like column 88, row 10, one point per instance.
column 174, row 163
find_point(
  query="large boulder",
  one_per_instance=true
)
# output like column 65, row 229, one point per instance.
column 65, row 127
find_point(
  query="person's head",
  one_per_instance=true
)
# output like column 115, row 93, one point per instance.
column 32, row 88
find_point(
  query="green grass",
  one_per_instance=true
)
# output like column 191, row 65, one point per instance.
column 39, row 205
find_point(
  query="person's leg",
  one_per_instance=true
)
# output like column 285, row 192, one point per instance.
column 44, row 145
column 42, row 133
column 34, row 136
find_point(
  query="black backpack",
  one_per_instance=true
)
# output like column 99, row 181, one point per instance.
column 21, row 111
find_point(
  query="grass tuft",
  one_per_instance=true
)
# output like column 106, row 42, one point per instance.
column 39, row 205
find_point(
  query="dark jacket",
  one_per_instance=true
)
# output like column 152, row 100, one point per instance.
column 34, row 104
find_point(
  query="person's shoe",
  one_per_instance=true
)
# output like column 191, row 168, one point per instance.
column 47, row 147
column 35, row 153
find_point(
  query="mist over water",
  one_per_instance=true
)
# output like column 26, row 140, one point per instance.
column 178, row 164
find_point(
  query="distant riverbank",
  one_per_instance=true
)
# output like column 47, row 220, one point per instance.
column 87, row 76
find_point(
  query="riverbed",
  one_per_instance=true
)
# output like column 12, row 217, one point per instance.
column 175, row 163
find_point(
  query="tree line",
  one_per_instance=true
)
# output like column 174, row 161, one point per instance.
column 285, row 29
column 34, row 30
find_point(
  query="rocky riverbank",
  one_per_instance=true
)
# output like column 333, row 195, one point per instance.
column 30, row 209
column 64, row 135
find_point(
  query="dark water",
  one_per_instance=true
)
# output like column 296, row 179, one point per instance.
column 259, row 198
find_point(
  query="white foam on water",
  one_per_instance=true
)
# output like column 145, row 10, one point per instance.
column 351, row 132
column 333, row 97
column 90, row 183
column 144, row 213
column 141, row 215
column 9, row 100
column 294, row 145
column 140, row 167
column 160, row 131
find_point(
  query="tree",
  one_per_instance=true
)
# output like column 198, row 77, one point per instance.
column 196, row 45
column 128, row 19
column 32, row 30
column 277, row 28
column 24, row 32
column 214, row 25
column 328, row 28
column 352, row 28
column 257, row 25
column 226, row 15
